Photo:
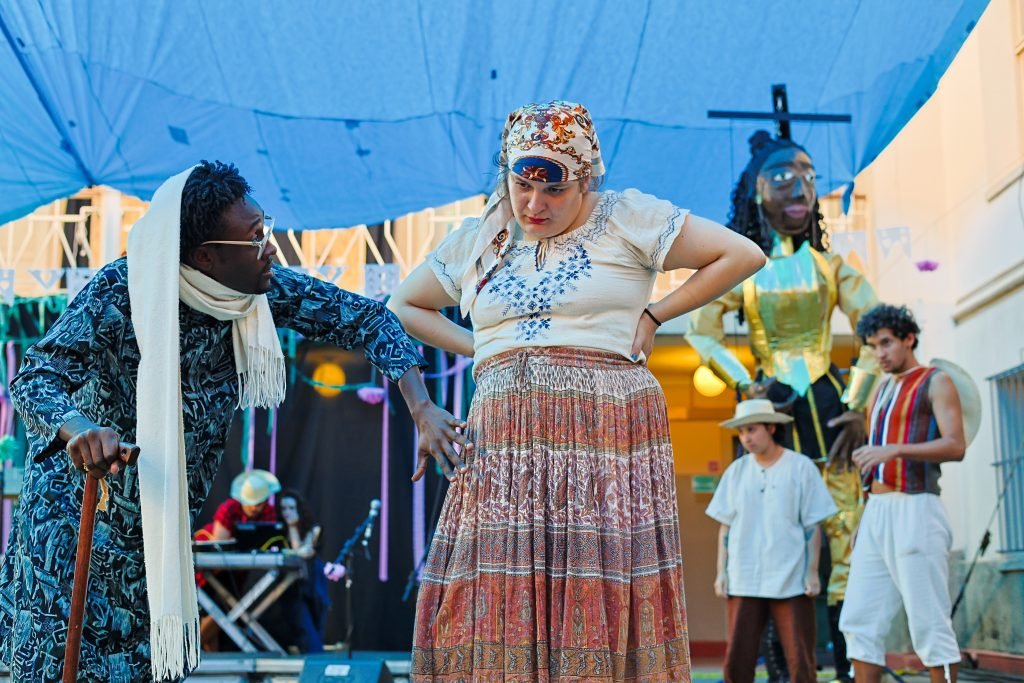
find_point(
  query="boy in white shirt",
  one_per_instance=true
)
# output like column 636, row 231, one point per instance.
column 769, row 503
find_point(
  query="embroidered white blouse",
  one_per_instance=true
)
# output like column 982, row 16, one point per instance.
column 586, row 288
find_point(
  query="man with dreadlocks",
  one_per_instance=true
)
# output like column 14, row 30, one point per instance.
column 159, row 349
column 788, row 307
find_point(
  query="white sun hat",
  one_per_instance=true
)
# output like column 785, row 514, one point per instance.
column 756, row 411
column 254, row 487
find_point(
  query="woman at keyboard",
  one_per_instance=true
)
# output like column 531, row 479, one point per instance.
column 300, row 616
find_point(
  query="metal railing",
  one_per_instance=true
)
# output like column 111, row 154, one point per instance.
column 1008, row 400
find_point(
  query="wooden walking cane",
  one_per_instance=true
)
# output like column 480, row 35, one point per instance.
column 83, row 557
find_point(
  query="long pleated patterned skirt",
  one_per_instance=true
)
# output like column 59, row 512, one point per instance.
column 556, row 556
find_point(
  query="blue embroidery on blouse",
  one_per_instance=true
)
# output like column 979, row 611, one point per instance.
column 534, row 304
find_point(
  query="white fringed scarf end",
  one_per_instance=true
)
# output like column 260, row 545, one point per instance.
column 261, row 384
column 174, row 647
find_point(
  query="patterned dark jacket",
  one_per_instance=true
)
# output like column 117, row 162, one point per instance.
column 87, row 364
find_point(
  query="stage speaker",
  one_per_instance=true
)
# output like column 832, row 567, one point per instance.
column 342, row 670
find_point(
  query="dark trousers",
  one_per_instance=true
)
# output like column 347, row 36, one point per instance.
column 794, row 621
column 838, row 641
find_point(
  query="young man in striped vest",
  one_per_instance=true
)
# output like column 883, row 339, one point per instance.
column 902, row 544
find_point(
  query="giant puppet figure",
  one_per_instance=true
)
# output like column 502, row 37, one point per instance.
column 788, row 307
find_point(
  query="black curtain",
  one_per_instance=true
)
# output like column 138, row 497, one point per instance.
column 329, row 450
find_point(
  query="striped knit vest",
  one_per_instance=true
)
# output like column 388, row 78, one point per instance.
column 902, row 413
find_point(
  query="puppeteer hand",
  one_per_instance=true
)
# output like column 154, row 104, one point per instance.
column 852, row 435
column 721, row 586
column 96, row 449
column 867, row 458
column 812, row 585
column 439, row 435
column 755, row 389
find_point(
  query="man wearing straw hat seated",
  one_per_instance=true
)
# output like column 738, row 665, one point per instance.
column 249, row 502
column 160, row 349
column 769, row 503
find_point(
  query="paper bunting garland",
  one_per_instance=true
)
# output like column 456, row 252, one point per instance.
column 48, row 278
column 381, row 280
column 891, row 237
column 850, row 244
column 78, row 278
column 7, row 286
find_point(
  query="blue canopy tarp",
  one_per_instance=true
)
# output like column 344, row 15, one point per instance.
column 340, row 113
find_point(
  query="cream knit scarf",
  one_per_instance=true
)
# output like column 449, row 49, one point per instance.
column 156, row 282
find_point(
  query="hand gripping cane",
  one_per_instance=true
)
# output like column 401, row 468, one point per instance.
column 128, row 454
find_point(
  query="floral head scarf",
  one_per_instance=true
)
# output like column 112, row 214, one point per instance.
column 552, row 142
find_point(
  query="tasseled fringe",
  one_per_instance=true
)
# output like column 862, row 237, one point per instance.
column 174, row 647
column 264, row 382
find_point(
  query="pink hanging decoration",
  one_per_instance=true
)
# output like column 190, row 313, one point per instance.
column 251, row 447
column 6, row 408
column 444, row 373
column 385, row 448
column 460, row 364
column 459, row 382
column 419, row 497
column 371, row 395
column 419, row 501
column 7, row 427
column 419, row 488
column 12, row 370
column 419, row 522
column 273, row 447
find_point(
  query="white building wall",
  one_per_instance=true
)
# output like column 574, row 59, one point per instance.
column 953, row 177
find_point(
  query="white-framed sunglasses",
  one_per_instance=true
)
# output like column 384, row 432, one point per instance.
column 259, row 242
column 788, row 176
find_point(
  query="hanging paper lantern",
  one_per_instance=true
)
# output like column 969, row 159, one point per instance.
column 371, row 395
column 707, row 383
column 331, row 375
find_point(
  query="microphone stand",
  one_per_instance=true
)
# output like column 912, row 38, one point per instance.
column 346, row 558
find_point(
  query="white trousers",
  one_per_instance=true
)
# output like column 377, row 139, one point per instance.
column 901, row 555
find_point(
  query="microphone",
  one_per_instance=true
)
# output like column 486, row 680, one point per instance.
column 374, row 513
column 337, row 569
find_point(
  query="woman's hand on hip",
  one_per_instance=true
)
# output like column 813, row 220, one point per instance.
column 643, row 340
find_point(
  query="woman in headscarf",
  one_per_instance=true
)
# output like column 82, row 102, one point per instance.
column 558, row 557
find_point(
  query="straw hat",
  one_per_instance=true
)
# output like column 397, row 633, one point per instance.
column 756, row 411
column 970, row 397
column 254, row 487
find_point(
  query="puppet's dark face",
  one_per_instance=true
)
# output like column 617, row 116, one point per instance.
column 785, row 186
